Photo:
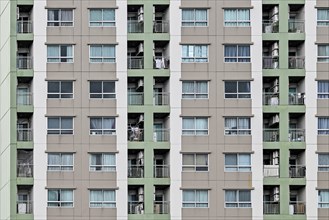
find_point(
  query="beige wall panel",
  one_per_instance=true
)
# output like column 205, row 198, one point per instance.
column 233, row 75
column 244, row 104
column 54, row 32
column 323, row 214
column 321, row 33
column 55, row 213
column 322, row 70
column 244, row 140
column 60, row 139
column 321, row 3
column 61, row 67
column 195, row 67
column 322, row 140
column 243, row 34
column 57, row 147
column 237, row 67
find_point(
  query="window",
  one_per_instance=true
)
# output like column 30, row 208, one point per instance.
column 237, row 126
column 102, row 17
column 195, row 90
column 60, row 17
column 323, row 126
column 195, row 162
column 194, row 17
column 102, row 199
column 237, row 198
column 323, row 162
column 102, row 162
column 323, row 53
column 237, row 53
column 60, row 198
column 102, row 125
column 237, row 17
column 60, row 54
column 195, row 126
column 323, row 198
column 102, row 53
column 323, row 89
column 60, row 161
column 60, row 89
column 102, row 89
column 194, row 53
column 60, row 125
column 238, row 162
column 237, row 89
column 195, row 198
column 323, row 17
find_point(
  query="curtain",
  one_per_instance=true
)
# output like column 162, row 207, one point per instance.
column 96, row 123
column 231, row 162
column 230, row 198
column 201, row 17
column 53, row 53
column 52, row 15
column 67, row 161
column 323, row 17
column 230, row 123
column 188, row 126
column 244, row 123
column 201, row 89
column 109, row 162
column 188, row 198
column 323, row 89
column 187, row 17
column 67, row 15
column 108, row 53
column 244, row 53
column 53, row 197
column 96, row 53
column 230, row 53
column 244, row 162
column 201, row 162
column 54, row 161
column 108, row 15
column 324, row 198
column 201, row 125
column 323, row 123
column 243, row 17
column 109, row 198
column 201, row 198
column 244, row 198
column 231, row 89
column 323, row 53
column 188, row 89
column 230, row 17
column 67, row 195
column 324, row 159
column 96, row 198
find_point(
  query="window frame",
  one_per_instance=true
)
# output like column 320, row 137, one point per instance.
column 103, row 167
column 323, row 95
column 194, row 58
column 237, row 21
column 239, row 59
column 60, row 129
column 195, row 130
column 237, row 131
column 238, row 94
column 102, row 21
column 102, row 130
column 195, row 94
column 238, row 203
column 60, row 58
column 323, row 167
column 325, row 58
column 323, row 131
column 60, row 202
column 102, row 94
column 238, row 167
column 195, row 22
column 60, row 94
column 195, row 203
column 321, row 204
column 318, row 22
column 103, row 202
column 102, row 57
column 195, row 166
column 60, row 166
column 60, row 22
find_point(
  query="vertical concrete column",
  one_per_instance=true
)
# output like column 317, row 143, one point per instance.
column 284, row 199
column 148, row 30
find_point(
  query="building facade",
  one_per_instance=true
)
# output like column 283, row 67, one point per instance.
column 164, row 109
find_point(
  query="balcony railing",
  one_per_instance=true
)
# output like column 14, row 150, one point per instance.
column 296, row 26
column 296, row 99
column 24, row 207
column 135, row 171
column 271, row 170
column 160, row 63
column 160, row 27
column 161, row 171
column 135, row 98
column 271, row 135
column 270, row 98
column 271, row 208
column 296, row 62
column 24, row 27
column 24, row 62
column 297, row 171
column 135, row 207
column 135, row 134
column 161, row 98
column 270, row 62
column 270, row 26
column 161, row 207
column 24, row 134
column 135, row 27
column 24, row 170
column 161, row 135
column 135, row 62
column 297, row 135
column 24, row 98
column 297, row 208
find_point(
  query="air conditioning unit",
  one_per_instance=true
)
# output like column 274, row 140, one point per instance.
column 275, row 53
column 140, row 14
column 275, row 119
column 276, row 194
column 140, row 48
column 140, row 84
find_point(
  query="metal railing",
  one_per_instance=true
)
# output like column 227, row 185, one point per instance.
column 161, row 207
column 135, row 171
column 271, row 135
column 297, row 171
column 296, row 26
column 270, row 62
column 297, row 208
column 271, row 170
column 297, row 135
column 24, row 134
column 296, row 62
column 135, row 26
column 135, row 207
column 24, row 98
column 270, row 26
column 270, row 98
column 24, row 62
column 271, row 208
column 161, row 98
column 24, row 170
column 135, row 62
column 161, row 135
column 161, row 171
column 24, row 27
column 135, row 98
column 160, row 62
column 296, row 99
column 135, row 134
column 25, row 207
column 160, row 27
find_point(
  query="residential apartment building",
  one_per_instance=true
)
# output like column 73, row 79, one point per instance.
column 164, row 109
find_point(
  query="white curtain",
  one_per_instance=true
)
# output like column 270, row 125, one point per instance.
column 230, row 17
column 66, row 197
column 244, row 123
column 53, row 197
column 188, row 198
column 230, row 53
column 201, row 125
column 244, row 162
column 67, row 161
column 109, row 198
column 324, row 198
column 201, row 53
column 53, row 53
column 323, row 17
column 231, row 123
column 323, row 89
column 244, row 53
column 96, row 198
column 188, row 89
column 201, row 159
column 96, row 123
column 323, row 53
column 188, row 126
column 54, row 161
column 52, row 15
column 187, row 17
column 201, row 17
column 95, row 53
column 109, row 162
column 201, row 89
column 243, row 16
column 201, row 198
column 323, row 123
column 230, row 198
column 67, row 16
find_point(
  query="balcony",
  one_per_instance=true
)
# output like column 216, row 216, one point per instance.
column 135, row 62
column 161, row 207
column 271, row 135
column 160, row 27
column 24, row 170
column 24, row 98
column 161, row 98
column 24, row 62
column 161, row 135
column 297, row 171
column 24, row 134
column 297, row 135
column 135, row 26
column 296, row 98
column 296, row 62
column 271, row 170
column 270, row 98
column 135, row 207
column 271, row 208
column 297, row 208
column 161, row 171
column 135, row 98
column 270, row 62
column 24, row 207
column 24, row 27
column 270, row 26
column 135, row 134
column 135, row 171
column 160, row 62
column 296, row 26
